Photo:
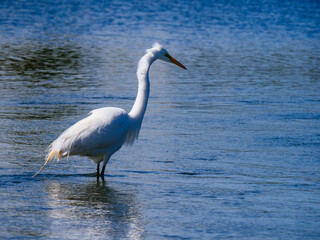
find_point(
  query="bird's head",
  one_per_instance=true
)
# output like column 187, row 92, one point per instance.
column 163, row 55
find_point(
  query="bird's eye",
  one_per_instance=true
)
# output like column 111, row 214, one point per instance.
column 167, row 55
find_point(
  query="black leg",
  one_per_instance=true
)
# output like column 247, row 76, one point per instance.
column 98, row 169
column 102, row 172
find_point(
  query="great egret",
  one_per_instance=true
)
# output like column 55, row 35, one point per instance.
column 106, row 129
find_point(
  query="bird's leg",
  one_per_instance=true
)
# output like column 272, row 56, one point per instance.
column 105, row 161
column 98, row 170
column 102, row 172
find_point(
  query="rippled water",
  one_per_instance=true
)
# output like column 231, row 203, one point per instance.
column 228, row 149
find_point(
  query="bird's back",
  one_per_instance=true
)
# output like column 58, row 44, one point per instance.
column 103, row 131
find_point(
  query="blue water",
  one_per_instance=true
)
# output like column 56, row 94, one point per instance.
column 229, row 149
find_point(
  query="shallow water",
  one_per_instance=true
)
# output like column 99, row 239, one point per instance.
column 228, row 149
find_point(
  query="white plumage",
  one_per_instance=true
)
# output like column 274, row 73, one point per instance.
column 105, row 130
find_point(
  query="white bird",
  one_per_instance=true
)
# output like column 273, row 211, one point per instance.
column 106, row 129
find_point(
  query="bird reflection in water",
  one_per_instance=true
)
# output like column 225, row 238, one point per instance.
column 93, row 210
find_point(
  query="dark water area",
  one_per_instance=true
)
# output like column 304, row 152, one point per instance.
column 229, row 149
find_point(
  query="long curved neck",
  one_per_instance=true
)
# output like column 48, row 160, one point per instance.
column 140, row 104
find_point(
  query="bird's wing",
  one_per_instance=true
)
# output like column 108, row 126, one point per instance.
column 104, row 129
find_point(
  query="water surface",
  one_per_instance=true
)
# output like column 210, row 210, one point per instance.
column 228, row 149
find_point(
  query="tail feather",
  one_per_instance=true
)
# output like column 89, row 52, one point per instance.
column 49, row 157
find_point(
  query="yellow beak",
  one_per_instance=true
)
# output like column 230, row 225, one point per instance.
column 176, row 62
